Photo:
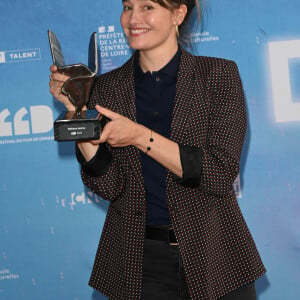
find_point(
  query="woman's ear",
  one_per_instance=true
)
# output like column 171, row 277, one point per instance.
column 180, row 14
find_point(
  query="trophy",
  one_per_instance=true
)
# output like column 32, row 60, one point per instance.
column 80, row 124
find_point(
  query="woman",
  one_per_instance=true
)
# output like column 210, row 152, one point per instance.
column 166, row 162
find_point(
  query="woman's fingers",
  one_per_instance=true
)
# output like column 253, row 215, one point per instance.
column 56, row 76
column 57, row 80
column 107, row 113
column 53, row 68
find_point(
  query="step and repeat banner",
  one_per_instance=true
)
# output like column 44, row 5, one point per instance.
column 50, row 223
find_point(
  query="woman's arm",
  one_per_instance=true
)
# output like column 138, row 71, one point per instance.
column 226, row 132
column 100, row 172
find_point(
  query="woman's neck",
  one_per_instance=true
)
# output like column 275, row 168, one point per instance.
column 154, row 60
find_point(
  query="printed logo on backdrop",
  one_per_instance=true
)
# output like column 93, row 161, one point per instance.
column 82, row 198
column 112, row 45
column 6, row 274
column 2, row 57
column 201, row 37
column 237, row 187
column 33, row 124
column 20, row 55
column 78, row 199
column 285, row 77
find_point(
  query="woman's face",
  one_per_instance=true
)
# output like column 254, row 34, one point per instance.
column 147, row 25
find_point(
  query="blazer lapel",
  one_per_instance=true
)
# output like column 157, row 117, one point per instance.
column 125, row 91
column 126, row 103
column 184, row 95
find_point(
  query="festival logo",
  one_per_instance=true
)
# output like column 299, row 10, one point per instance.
column 35, row 121
column 285, row 68
column 20, row 55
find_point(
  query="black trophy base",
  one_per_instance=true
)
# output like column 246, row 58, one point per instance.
column 71, row 126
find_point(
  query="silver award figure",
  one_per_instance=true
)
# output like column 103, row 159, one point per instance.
column 80, row 124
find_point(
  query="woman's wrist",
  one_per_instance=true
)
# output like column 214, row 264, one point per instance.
column 143, row 135
column 71, row 107
column 87, row 149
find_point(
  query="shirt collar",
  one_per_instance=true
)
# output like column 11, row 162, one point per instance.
column 170, row 69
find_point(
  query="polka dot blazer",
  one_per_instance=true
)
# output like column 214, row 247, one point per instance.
column 218, row 252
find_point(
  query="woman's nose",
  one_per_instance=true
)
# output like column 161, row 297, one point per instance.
column 135, row 17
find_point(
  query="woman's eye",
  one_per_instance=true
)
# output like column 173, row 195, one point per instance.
column 126, row 8
column 148, row 7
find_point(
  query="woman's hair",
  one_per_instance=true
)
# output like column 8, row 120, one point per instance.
column 190, row 4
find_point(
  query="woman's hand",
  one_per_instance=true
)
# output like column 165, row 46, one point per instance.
column 120, row 131
column 56, row 82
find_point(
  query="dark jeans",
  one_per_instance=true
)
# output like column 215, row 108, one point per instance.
column 163, row 275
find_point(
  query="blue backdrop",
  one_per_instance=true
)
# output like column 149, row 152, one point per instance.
column 50, row 224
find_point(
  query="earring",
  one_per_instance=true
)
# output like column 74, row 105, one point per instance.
column 177, row 31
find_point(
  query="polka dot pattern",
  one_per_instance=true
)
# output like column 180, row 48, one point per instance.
column 218, row 251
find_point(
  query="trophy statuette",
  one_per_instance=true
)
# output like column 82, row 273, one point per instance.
column 80, row 124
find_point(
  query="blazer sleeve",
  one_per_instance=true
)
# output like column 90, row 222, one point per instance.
column 226, row 131
column 103, row 174
column 108, row 183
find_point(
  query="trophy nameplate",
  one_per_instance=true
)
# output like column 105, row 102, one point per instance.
column 80, row 124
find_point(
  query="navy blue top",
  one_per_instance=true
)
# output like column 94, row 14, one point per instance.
column 155, row 94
